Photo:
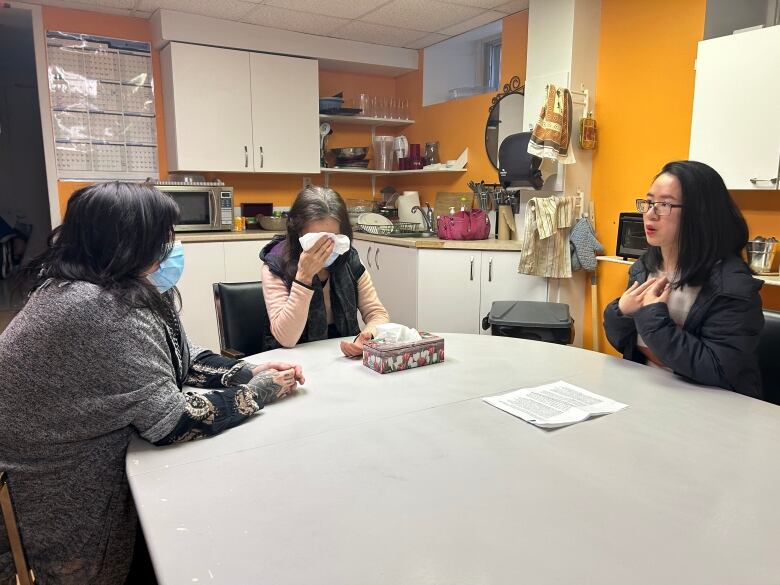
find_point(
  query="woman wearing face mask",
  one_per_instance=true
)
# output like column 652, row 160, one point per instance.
column 692, row 305
column 314, row 286
column 96, row 356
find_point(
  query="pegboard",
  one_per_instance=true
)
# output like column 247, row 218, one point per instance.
column 103, row 111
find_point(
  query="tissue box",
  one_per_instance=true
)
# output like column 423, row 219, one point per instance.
column 392, row 357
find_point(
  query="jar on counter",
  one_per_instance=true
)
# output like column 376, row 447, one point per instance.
column 239, row 223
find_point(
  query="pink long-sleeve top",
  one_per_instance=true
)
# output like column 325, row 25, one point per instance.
column 289, row 310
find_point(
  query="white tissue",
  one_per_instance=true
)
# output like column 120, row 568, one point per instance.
column 395, row 333
column 340, row 241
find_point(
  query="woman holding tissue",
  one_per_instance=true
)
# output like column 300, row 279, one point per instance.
column 692, row 305
column 313, row 281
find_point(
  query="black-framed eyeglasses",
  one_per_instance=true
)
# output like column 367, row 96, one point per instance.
column 661, row 207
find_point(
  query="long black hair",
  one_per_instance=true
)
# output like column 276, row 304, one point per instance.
column 312, row 204
column 111, row 235
column 711, row 225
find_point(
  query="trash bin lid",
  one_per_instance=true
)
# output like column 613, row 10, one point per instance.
column 530, row 314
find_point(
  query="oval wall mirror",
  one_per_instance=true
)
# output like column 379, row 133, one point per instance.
column 505, row 117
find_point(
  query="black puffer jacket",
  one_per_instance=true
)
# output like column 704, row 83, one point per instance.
column 717, row 343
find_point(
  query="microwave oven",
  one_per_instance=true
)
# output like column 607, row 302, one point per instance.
column 631, row 239
column 203, row 206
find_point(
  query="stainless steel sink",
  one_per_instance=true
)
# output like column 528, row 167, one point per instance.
column 412, row 235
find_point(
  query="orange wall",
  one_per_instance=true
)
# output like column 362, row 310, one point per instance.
column 109, row 25
column 645, row 98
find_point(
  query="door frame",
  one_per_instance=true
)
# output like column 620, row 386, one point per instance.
column 42, row 78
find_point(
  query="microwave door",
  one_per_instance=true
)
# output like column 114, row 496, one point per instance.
column 195, row 210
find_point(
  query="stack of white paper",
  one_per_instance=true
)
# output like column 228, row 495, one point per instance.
column 554, row 405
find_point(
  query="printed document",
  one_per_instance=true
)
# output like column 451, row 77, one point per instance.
column 554, row 405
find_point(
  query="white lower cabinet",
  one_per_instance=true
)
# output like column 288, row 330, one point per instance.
column 204, row 264
column 500, row 281
column 393, row 271
column 242, row 260
column 448, row 289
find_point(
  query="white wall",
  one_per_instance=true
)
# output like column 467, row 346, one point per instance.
column 453, row 63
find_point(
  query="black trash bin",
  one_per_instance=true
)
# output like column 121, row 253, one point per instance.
column 548, row 322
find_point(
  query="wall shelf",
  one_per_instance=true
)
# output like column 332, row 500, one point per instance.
column 375, row 173
column 365, row 120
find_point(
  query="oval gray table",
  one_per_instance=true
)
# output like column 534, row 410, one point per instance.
column 410, row 478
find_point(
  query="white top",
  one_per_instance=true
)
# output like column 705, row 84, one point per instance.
column 411, row 478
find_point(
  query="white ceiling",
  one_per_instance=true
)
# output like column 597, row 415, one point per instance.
column 414, row 24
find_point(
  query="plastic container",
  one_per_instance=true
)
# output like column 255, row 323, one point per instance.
column 549, row 322
column 761, row 255
column 383, row 153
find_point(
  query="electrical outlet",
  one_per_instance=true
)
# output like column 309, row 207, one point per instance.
column 306, row 182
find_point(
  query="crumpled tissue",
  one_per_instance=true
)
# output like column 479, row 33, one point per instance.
column 340, row 241
column 396, row 333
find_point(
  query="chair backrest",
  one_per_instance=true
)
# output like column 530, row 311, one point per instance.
column 24, row 574
column 241, row 316
column 769, row 356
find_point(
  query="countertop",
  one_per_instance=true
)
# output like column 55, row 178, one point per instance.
column 424, row 243
column 772, row 280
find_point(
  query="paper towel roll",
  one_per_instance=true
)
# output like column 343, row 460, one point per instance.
column 406, row 201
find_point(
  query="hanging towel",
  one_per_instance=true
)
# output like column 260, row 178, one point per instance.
column 546, row 252
column 584, row 246
column 552, row 134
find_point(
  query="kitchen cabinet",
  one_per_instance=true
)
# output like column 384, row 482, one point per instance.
column 736, row 121
column 448, row 290
column 242, row 260
column 285, row 114
column 208, row 108
column 204, row 264
column 237, row 111
column 393, row 271
column 500, row 281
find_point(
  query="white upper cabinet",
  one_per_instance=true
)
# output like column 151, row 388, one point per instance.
column 736, row 118
column 285, row 114
column 208, row 108
column 235, row 111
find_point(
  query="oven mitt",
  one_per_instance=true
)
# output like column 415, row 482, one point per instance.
column 575, row 262
column 340, row 241
column 586, row 246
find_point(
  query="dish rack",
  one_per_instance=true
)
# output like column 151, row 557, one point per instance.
column 398, row 227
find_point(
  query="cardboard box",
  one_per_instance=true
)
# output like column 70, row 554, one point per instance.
column 393, row 357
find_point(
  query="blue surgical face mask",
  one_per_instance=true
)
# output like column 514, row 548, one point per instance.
column 331, row 259
column 170, row 269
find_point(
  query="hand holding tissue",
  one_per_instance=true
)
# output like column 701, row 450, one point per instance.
column 397, row 347
column 341, row 244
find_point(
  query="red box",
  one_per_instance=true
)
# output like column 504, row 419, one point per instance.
column 393, row 357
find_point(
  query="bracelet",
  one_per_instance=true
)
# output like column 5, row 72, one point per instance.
column 303, row 284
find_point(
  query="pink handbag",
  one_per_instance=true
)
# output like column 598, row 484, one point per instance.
column 464, row 225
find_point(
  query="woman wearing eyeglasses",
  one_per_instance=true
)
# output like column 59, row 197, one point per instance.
column 692, row 305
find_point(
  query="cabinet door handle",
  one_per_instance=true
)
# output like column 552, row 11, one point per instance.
column 261, row 156
column 368, row 257
column 246, row 157
column 773, row 180
column 376, row 258
column 471, row 268
column 490, row 270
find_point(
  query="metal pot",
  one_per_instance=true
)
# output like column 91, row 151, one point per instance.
column 761, row 254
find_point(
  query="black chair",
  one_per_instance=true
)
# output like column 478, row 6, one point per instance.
column 241, row 317
column 769, row 356
column 24, row 574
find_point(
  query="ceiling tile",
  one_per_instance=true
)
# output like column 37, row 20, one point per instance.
column 315, row 24
column 126, row 4
column 486, row 4
column 339, row 8
column 225, row 9
column 472, row 23
column 427, row 15
column 427, row 41
column 512, row 6
column 357, row 30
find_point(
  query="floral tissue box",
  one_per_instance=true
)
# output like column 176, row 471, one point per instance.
column 393, row 357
